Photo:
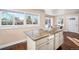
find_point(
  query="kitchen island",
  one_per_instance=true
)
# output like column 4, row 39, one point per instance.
column 13, row 39
column 31, row 39
column 44, row 40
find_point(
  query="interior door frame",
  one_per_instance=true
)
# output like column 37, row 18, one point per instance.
column 76, row 22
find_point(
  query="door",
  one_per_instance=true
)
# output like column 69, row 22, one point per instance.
column 72, row 24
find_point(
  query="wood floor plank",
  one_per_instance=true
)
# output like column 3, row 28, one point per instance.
column 68, row 44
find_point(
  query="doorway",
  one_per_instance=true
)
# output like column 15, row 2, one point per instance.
column 72, row 24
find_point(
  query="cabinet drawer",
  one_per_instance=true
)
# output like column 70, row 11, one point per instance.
column 43, row 46
column 41, row 41
column 49, row 45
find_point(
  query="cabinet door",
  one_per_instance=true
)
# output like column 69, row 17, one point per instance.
column 51, row 44
column 47, row 46
column 61, row 38
column 43, row 46
column 41, row 41
column 57, row 40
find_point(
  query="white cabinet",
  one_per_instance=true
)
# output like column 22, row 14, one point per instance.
column 43, row 46
column 58, row 39
column 46, row 43
column 41, row 41
column 61, row 38
column 52, row 42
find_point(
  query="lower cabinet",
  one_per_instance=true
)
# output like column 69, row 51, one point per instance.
column 46, row 43
column 49, row 45
column 19, row 46
column 52, row 42
column 43, row 46
column 61, row 38
column 58, row 39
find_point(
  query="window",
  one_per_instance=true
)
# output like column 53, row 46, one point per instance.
column 18, row 18
column 60, row 23
column 32, row 19
column 49, row 21
column 6, row 18
column 60, row 20
column 35, row 20
column 28, row 19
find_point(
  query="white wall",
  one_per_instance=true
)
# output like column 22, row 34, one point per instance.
column 65, row 20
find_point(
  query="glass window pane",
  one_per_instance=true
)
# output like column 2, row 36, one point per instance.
column 35, row 20
column 28, row 19
column 6, row 18
column 19, row 18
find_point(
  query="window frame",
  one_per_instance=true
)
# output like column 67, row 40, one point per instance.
column 24, row 22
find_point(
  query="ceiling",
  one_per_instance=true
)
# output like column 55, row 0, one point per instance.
column 54, row 12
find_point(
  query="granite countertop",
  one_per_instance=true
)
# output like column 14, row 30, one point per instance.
column 40, row 33
column 37, row 34
column 54, row 30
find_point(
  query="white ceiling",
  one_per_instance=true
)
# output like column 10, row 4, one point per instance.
column 54, row 12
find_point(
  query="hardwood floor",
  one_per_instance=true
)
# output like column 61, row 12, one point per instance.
column 19, row 46
column 68, row 44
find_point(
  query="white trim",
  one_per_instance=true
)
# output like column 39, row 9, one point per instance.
column 19, row 26
column 20, row 11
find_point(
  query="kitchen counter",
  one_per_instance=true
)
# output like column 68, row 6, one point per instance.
column 40, row 33
column 40, row 39
column 37, row 34
column 54, row 30
column 11, row 36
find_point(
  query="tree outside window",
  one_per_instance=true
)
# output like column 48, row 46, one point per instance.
column 6, row 18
